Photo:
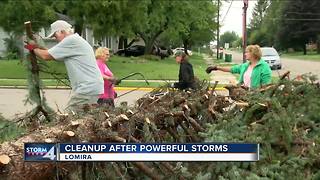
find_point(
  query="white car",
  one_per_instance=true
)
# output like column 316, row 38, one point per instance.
column 181, row 49
column 271, row 56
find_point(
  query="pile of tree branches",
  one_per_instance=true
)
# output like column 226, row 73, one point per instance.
column 283, row 118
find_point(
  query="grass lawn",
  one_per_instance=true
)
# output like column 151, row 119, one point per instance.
column 155, row 69
column 313, row 56
column 166, row 69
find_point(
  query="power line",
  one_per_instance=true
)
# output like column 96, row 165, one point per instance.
column 293, row 19
column 227, row 12
column 305, row 13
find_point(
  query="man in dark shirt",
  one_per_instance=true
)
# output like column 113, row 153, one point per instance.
column 186, row 76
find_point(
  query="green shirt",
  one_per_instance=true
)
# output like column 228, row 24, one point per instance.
column 261, row 73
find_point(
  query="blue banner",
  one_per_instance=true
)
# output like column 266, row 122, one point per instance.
column 141, row 152
column 157, row 148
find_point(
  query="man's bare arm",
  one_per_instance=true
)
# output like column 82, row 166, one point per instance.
column 43, row 54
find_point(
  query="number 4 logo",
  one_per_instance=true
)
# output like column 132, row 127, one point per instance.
column 50, row 154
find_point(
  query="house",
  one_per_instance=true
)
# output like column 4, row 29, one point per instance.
column 3, row 35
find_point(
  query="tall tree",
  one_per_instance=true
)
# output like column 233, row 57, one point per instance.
column 258, row 14
column 256, row 33
column 299, row 24
column 194, row 24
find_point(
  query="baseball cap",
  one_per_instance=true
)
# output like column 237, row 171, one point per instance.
column 58, row 26
column 179, row 53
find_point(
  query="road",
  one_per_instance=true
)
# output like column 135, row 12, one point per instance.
column 11, row 100
column 295, row 66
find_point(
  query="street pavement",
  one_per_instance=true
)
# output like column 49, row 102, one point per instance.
column 12, row 100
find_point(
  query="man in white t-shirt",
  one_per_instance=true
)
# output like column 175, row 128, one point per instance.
column 78, row 56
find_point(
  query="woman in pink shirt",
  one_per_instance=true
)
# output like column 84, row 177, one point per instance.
column 107, row 98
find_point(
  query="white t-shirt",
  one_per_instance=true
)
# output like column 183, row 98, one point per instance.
column 80, row 61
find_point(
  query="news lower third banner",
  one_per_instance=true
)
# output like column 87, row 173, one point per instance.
column 141, row 152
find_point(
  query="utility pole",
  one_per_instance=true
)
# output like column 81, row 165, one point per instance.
column 244, row 29
column 218, row 29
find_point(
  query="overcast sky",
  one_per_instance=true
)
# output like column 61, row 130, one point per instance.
column 233, row 20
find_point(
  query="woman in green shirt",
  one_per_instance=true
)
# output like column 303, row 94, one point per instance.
column 253, row 74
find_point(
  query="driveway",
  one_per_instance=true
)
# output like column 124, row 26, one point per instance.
column 295, row 66
column 11, row 100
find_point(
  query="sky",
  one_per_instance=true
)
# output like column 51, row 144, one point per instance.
column 233, row 20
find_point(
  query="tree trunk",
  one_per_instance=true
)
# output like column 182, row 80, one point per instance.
column 125, row 42
column 185, row 46
column 121, row 41
column 318, row 44
column 149, row 45
column 78, row 27
column 304, row 49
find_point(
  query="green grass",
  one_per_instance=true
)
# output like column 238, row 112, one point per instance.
column 13, row 72
column 14, row 69
column 312, row 56
column 155, row 69
column 120, row 66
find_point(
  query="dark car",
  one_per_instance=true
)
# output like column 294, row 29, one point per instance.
column 135, row 50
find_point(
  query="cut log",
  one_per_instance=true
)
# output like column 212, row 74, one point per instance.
column 4, row 159
column 69, row 134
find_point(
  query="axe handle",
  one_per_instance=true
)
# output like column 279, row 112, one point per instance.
column 33, row 58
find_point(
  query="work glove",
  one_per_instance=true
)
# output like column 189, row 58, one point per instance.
column 211, row 68
column 117, row 81
column 31, row 45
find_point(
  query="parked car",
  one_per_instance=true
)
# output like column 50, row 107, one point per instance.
column 271, row 56
column 135, row 50
column 181, row 49
column 162, row 52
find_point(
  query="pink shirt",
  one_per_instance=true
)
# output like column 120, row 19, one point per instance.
column 108, row 86
column 247, row 77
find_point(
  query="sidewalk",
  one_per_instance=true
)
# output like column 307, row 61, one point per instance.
column 223, row 77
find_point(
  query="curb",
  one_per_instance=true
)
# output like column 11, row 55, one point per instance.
column 147, row 89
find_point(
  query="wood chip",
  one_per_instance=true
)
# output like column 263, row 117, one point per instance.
column 206, row 96
column 130, row 112
column 123, row 116
column 69, row 133
column 147, row 120
column 242, row 104
column 186, row 107
column 107, row 115
column 109, row 123
column 75, row 123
